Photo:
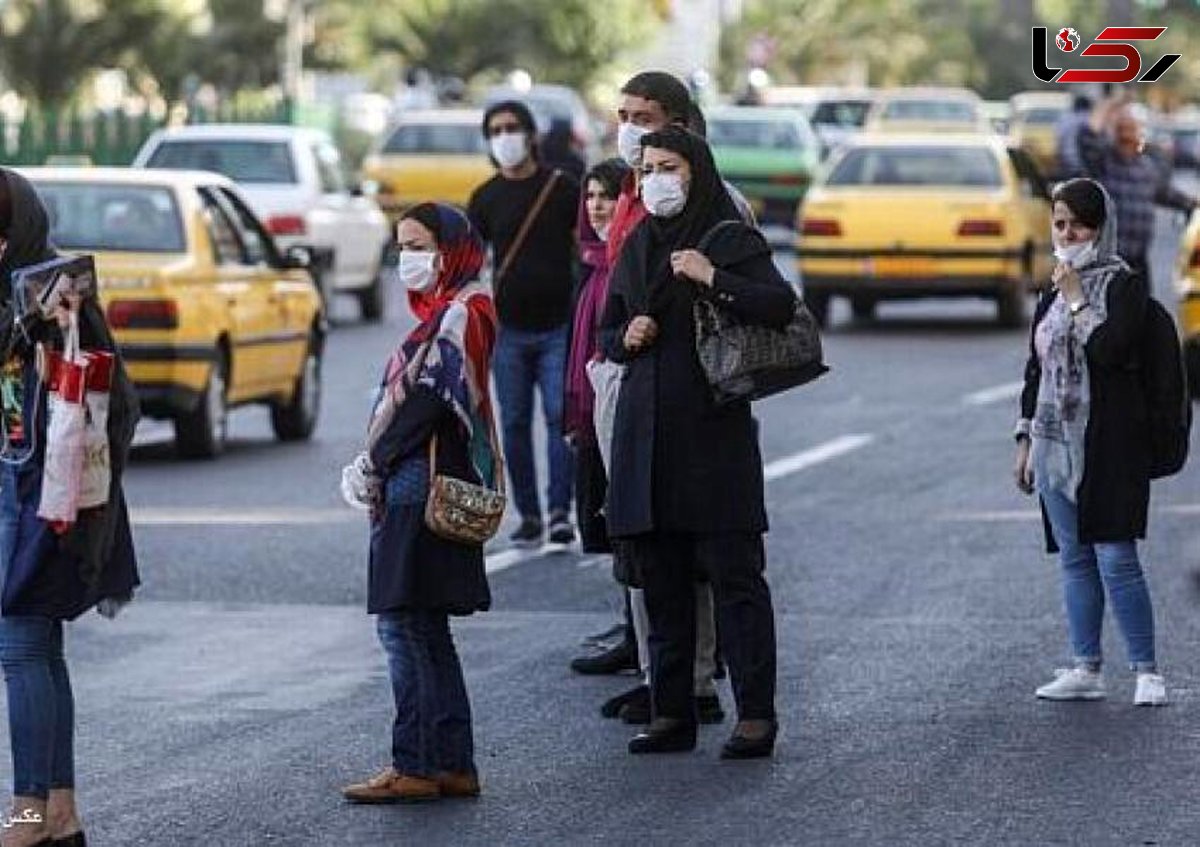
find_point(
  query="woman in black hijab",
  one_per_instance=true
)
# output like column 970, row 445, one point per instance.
column 686, row 489
column 49, row 576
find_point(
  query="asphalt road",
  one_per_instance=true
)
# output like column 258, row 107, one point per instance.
column 916, row 613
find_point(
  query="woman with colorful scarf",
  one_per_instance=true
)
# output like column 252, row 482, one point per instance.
column 435, row 386
column 1083, row 443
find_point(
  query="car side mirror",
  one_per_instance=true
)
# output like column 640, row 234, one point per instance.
column 366, row 188
column 298, row 256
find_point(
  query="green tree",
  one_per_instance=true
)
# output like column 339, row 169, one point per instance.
column 49, row 48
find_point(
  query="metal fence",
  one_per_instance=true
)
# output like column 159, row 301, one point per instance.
column 114, row 138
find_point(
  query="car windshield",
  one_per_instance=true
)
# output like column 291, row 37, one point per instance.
column 923, row 166
column 1042, row 116
column 131, row 218
column 436, row 138
column 841, row 113
column 242, row 161
column 929, row 110
column 761, row 134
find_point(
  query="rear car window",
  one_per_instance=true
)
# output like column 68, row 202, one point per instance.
column 435, row 138
column 933, row 166
column 130, row 218
column 769, row 135
column 242, row 161
column 851, row 113
column 929, row 110
column 1041, row 116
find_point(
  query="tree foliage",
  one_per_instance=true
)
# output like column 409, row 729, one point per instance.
column 49, row 48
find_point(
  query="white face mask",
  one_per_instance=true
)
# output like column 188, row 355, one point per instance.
column 418, row 270
column 664, row 194
column 510, row 149
column 602, row 232
column 629, row 143
column 1076, row 255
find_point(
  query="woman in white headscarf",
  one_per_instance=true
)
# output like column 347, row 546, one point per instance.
column 1083, row 442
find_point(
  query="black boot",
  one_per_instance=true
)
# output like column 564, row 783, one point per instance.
column 746, row 747
column 615, row 706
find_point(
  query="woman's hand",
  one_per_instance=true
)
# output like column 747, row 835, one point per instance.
column 62, row 312
column 641, row 333
column 1023, row 467
column 693, row 265
column 1068, row 282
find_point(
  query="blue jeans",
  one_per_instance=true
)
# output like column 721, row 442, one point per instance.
column 521, row 361
column 432, row 730
column 1089, row 569
column 41, row 708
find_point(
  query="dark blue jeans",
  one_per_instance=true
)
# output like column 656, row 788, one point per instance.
column 432, row 730
column 523, row 360
column 41, row 708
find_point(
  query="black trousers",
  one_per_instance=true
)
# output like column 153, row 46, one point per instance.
column 669, row 564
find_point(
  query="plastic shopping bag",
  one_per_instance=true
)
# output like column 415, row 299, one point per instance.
column 62, row 473
column 97, row 460
column 605, row 377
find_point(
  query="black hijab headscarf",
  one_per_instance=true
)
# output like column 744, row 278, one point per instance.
column 25, row 225
column 708, row 203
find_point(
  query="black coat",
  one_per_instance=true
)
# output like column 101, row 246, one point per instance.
column 1114, row 495
column 681, row 463
column 410, row 567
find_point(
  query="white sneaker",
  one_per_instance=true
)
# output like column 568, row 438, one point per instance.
column 1151, row 690
column 1074, row 684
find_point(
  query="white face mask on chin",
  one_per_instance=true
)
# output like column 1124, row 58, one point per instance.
column 664, row 195
column 1076, row 255
column 510, row 149
column 418, row 270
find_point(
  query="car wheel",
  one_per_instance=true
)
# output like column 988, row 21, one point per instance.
column 296, row 419
column 1010, row 308
column 818, row 305
column 863, row 308
column 370, row 299
column 200, row 433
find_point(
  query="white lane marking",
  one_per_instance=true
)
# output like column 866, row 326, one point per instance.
column 280, row 516
column 995, row 394
column 807, row 458
column 1020, row 515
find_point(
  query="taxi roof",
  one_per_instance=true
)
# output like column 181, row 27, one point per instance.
column 126, row 176
column 473, row 117
column 925, row 139
column 242, row 132
column 927, row 93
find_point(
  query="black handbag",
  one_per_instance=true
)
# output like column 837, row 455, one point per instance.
column 746, row 361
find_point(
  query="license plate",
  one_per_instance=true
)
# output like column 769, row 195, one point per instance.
column 900, row 266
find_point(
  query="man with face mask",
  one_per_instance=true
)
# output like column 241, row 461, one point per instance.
column 532, row 282
column 1113, row 149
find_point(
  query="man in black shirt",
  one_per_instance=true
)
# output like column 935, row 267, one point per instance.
column 533, row 291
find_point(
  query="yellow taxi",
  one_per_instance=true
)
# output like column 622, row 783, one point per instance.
column 207, row 313
column 438, row 155
column 909, row 216
column 1188, row 285
column 907, row 110
column 1034, row 125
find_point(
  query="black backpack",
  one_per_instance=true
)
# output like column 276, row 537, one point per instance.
column 1164, row 378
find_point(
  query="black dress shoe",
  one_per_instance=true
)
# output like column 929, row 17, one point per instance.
column 614, row 706
column 76, row 839
column 743, row 747
column 708, row 707
column 665, row 735
column 621, row 658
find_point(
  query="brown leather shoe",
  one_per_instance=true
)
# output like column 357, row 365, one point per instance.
column 464, row 784
column 392, row 787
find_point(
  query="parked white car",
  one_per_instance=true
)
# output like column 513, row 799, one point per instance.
column 293, row 179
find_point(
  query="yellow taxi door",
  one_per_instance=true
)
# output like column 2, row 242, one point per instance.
column 287, row 335
column 249, row 300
